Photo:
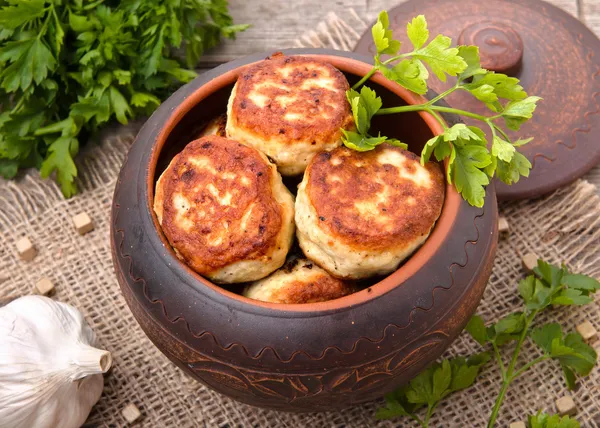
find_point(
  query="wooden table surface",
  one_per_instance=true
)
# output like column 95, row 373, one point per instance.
column 277, row 24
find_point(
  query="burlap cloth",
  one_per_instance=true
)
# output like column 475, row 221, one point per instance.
column 561, row 227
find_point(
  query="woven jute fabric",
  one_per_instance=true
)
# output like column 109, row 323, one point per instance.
column 561, row 227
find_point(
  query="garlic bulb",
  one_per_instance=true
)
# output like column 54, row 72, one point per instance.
column 50, row 373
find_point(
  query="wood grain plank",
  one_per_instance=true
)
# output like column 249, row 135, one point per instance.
column 277, row 24
column 590, row 14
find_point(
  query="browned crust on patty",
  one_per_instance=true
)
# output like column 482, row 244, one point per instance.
column 402, row 221
column 319, row 288
column 323, row 111
column 185, row 178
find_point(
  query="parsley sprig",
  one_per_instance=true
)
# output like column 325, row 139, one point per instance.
column 471, row 164
column 548, row 286
column 68, row 67
column 430, row 386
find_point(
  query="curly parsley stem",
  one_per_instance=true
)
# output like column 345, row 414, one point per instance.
column 417, row 420
column 426, row 106
column 438, row 118
column 397, row 57
column 492, row 127
column 375, row 69
column 430, row 409
column 443, row 95
column 42, row 31
column 500, row 130
column 513, row 361
column 92, row 5
column 401, row 109
column 365, row 78
column 498, row 403
column 509, row 377
column 529, row 365
column 459, row 112
column 499, row 359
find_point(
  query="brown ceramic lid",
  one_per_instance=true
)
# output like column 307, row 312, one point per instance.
column 553, row 54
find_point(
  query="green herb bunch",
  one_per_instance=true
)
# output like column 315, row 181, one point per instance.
column 471, row 164
column 67, row 67
column 548, row 286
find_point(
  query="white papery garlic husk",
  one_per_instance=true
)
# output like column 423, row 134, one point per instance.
column 50, row 373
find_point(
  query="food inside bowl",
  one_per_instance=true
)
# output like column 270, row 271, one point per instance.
column 223, row 207
column 290, row 108
column 299, row 281
column 359, row 214
column 215, row 127
column 225, row 211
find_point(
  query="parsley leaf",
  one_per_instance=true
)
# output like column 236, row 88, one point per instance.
column 517, row 112
column 20, row 13
column 544, row 420
column 485, row 93
column 466, row 165
column 545, row 335
column 9, row 168
column 580, row 282
column 468, row 158
column 556, row 285
column 504, row 87
column 535, row 293
column 522, row 141
column 460, row 133
column 30, row 64
column 441, row 58
column 476, row 328
column 502, row 149
column 417, row 31
column 364, row 106
column 396, row 405
column 409, row 73
column 360, row 142
column 470, row 55
column 61, row 159
column 430, row 386
column 383, row 37
column 510, row 172
column 503, row 331
column 573, row 354
column 508, row 328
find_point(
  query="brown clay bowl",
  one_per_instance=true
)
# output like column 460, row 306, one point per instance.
column 308, row 357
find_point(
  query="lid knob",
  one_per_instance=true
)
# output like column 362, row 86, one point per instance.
column 500, row 47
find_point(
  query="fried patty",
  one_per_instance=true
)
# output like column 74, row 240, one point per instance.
column 225, row 210
column 290, row 108
column 361, row 213
column 298, row 281
column 215, row 127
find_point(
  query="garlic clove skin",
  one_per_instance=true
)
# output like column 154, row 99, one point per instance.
column 50, row 372
column 87, row 360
